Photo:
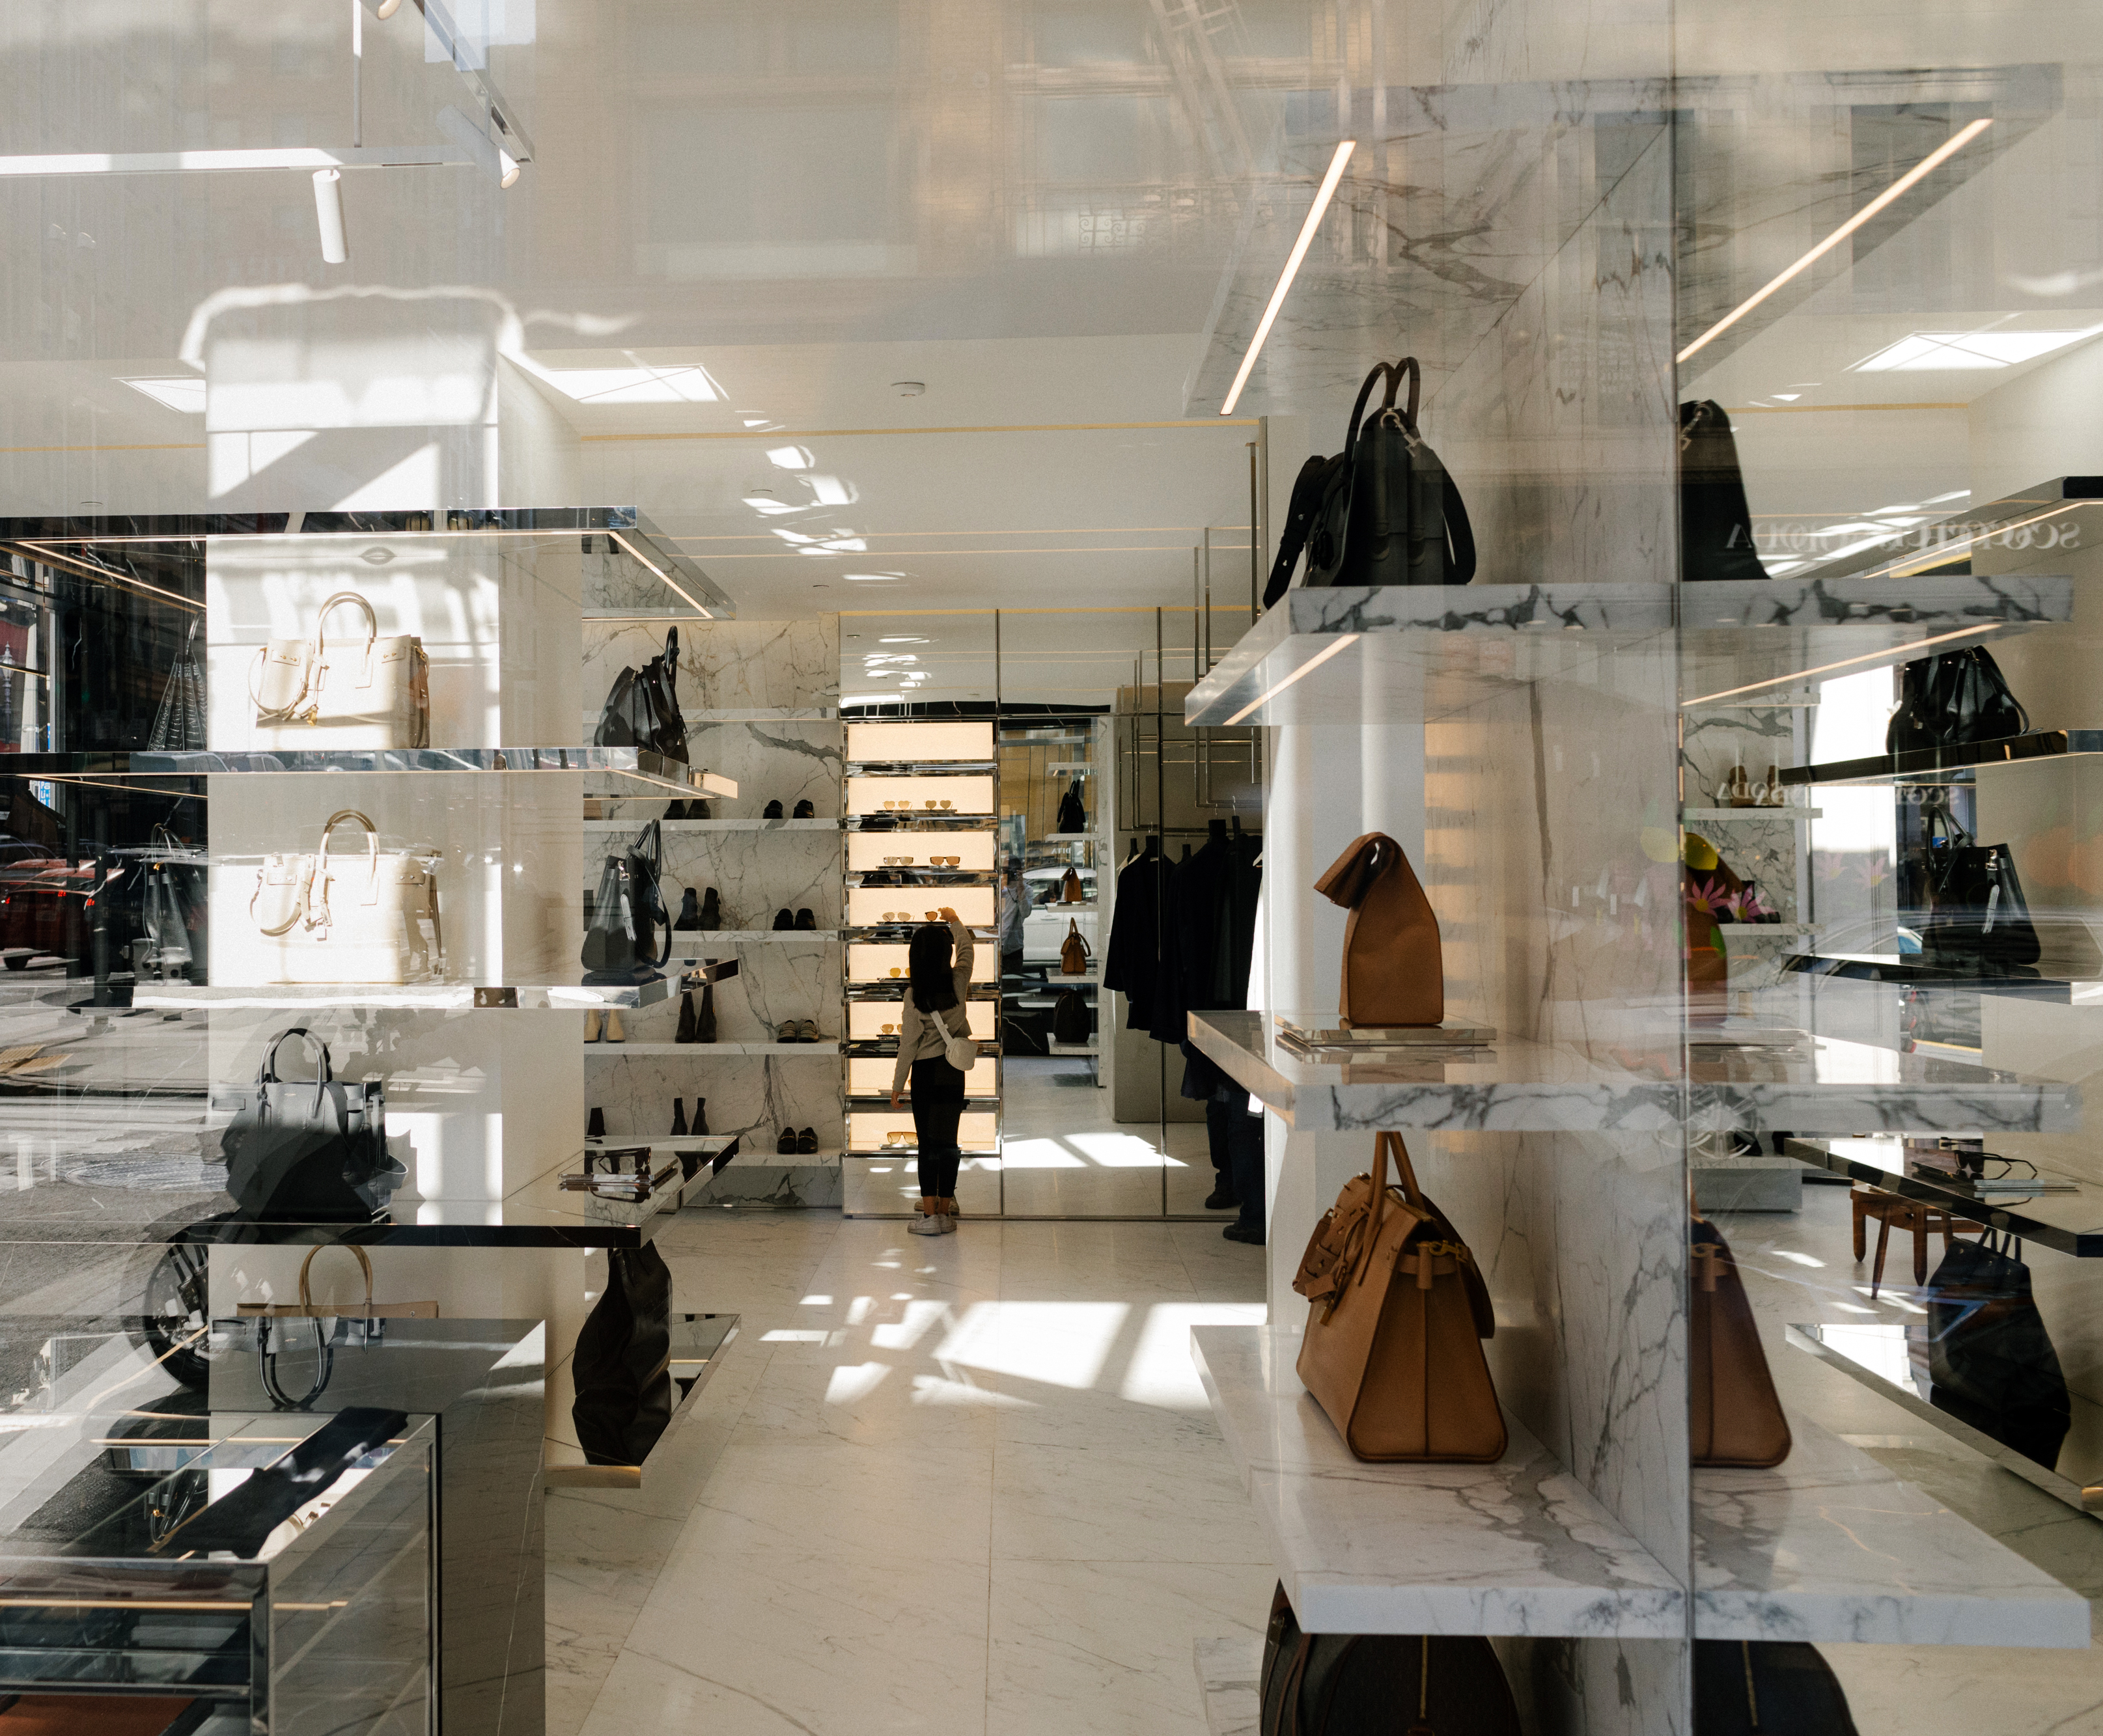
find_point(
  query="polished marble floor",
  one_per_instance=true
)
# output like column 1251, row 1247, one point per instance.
column 960, row 1485
column 1062, row 1156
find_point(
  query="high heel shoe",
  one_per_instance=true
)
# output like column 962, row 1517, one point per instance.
column 595, row 1023
column 614, row 1033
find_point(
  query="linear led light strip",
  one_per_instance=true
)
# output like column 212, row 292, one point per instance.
column 1345, row 643
column 1919, row 171
column 1827, row 668
column 1322, row 198
column 706, row 613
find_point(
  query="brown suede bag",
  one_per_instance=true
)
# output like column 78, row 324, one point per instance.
column 1733, row 1416
column 1393, row 972
column 1397, row 1315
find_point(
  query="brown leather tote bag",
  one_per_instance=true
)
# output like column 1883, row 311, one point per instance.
column 1393, row 972
column 1396, row 1314
column 1733, row 1415
column 1074, row 954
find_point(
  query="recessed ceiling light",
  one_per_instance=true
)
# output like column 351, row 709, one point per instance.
column 1787, row 397
column 378, row 556
column 897, row 639
column 185, row 395
column 909, row 388
column 638, row 383
column 880, row 579
column 1931, row 352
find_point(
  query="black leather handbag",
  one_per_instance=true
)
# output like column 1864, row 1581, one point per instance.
column 1380, row 1685
column 1383, row 511
column 310, row 1151
column 1952, row 699
column 1990, row 1361
column 1976, row 917
column 1766, row 1688
column 1715, row 522
column 628, row 913
column 623, row 1366
column 642, row 708
column 1072, row 815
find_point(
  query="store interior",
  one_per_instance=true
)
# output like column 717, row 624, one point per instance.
column 550, row 550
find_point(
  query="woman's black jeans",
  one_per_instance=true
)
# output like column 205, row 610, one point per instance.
column 938, row 1099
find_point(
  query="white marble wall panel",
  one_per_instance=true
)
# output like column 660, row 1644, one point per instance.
column 774, row 982
column 752, row 1096
column 755, row 873
column 787, row 761
column 723, row 665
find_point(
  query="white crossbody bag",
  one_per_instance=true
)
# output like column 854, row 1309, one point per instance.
column 347, row 919
column 376, row 694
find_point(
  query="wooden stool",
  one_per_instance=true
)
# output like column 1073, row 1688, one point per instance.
column 1917, row 1215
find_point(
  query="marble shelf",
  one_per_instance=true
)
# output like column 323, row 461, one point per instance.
column 1339, row 655
column 826, row 1046
column 708, row 1144
column 1830, row 1546
column 1741, row 1077
column 715, row 825
column 636, row 764
column 559, row 997
column 1516, row 1548
column 1926, row 762
column 2068, row 1223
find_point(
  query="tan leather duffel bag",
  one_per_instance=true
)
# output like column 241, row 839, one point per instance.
column 1394, row 971
column 1734, row 1417
column 1397, row 1315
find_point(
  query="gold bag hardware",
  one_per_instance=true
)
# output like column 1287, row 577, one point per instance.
column 306, row 1307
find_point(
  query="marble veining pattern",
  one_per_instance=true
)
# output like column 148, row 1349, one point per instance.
column 756, row 874
column 1519, row 1547
column 1830, row 1546
column 724, row 665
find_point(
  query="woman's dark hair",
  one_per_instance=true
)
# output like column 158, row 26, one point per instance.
column 929, row 964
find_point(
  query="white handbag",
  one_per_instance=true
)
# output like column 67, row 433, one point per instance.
column 347, row 920
column 377, row 694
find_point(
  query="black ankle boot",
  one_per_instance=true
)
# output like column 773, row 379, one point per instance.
column 679, row 1117
column 690, row 910
column 700, row 1117
column 711, row 911
column 705, row 1023
column 689, row 1027
column 595, row 1126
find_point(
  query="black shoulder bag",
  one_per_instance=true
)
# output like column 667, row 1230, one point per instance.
column 1384, row 511
column 1715, row 522
column 628, row 913
column 1952, row 699
column 642, row 709
column 1977, row 916
column 1990, row 1361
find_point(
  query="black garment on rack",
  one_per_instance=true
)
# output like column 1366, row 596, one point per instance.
column 1207, row 940
column 1131, row 962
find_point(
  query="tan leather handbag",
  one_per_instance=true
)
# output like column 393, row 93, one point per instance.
column 306, row 1307
column 1073, row 953
column 1733, row 1416
column 376, row 694
column 1394, row 971
column 1397, row 1315
column 339, row 920
column 1071, row 892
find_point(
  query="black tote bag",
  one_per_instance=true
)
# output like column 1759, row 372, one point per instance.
column 310, row 1151
column 1948, row 700
column 1976, row 917
column 628, row 913
column 1715, row 522
column 1991, row 1363
column 622, row 1365
column 642, row 708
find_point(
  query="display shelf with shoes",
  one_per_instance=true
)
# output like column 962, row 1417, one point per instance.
column 700, row 826
column 721, row 1049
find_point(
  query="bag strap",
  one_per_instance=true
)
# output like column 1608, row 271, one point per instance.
column 1380, row 369
column 365, row 1265
column 1459, row 534
column 1394, row 385
column 319, row 876
column 371, row 620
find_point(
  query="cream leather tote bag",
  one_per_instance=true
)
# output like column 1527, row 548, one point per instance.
column 350, row 919
column 373, row 694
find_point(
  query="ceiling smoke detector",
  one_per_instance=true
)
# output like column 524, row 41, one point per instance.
column 909, row 388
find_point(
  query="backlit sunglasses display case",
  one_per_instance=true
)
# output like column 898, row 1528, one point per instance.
column 922, row 806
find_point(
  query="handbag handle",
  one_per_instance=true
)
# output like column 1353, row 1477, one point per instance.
column 267, row 1074
column 365, row 1265
column 319, row 876
column 1381, row 369
column 371, row 620
column 1394, row 385
column 1404, row 1174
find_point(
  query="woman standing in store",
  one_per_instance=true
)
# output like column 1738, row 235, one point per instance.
column 938, row 966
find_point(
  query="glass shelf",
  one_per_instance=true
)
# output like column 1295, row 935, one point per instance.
column 638, row 764
column 554, row 997
column 2069, row 1220
column 1927, row 763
